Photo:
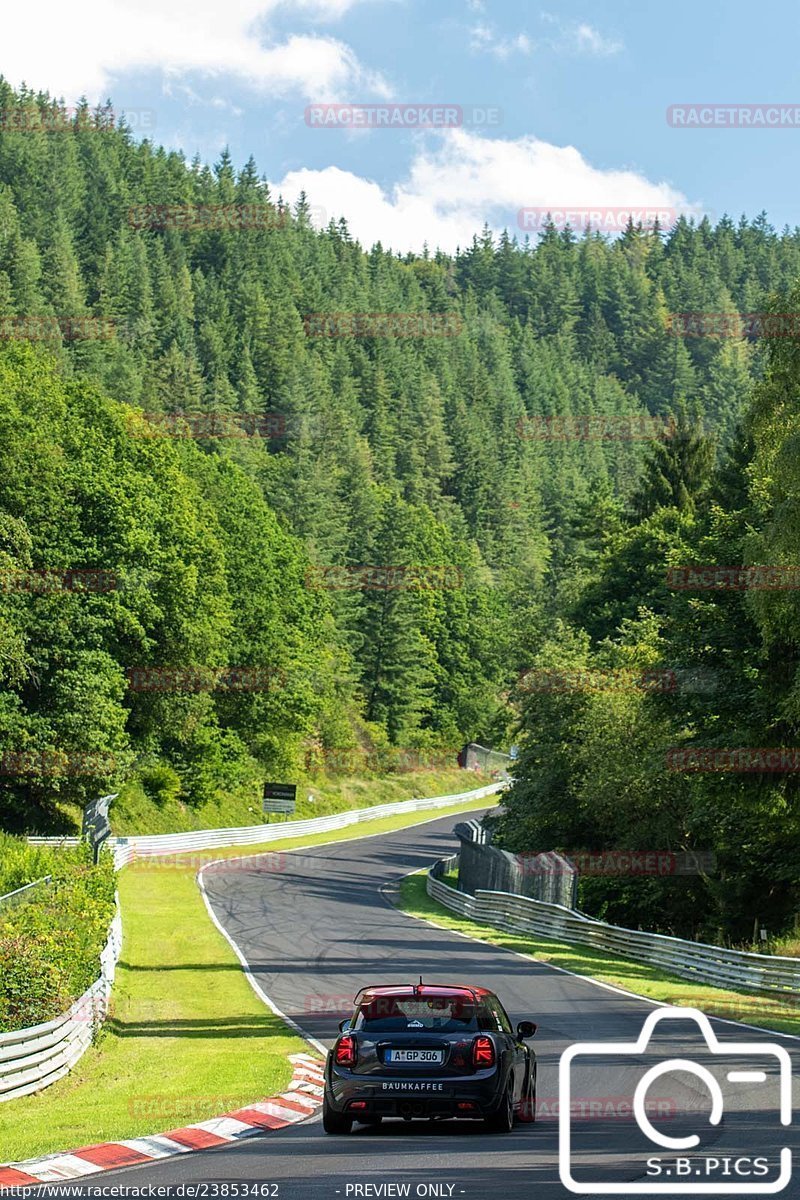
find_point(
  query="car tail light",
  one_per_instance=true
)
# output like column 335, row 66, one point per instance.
column 483, row 1052
column 345, row 1055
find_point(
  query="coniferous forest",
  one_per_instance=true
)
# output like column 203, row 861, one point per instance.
column 490, row 462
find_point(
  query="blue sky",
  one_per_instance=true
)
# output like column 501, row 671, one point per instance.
column 580, row 93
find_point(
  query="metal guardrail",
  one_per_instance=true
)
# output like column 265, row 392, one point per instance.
column 697, row 961
column 53, row 841
column 20, row 895
column 126, row 850
column 32, row 1059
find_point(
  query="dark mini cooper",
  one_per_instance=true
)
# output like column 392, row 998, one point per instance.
column 431, row 1051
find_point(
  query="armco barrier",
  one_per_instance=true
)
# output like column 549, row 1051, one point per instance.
column 32, row 1059
column 23, row 894
column 696, row 961
column 127, row 849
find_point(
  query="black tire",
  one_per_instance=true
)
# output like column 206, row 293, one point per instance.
column 333, row 1122
column 526, row 1113
column 502, row 1119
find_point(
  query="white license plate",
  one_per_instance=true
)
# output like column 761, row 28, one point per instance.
column 415, row 1056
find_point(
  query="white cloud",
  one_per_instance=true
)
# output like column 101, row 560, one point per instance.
column 589, row 41
column 466, row 180
column 483, row 38
column 72, row 51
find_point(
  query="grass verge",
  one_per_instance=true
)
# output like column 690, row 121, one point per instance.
column 595, row 964
column 187, row 1038
column 317, row 796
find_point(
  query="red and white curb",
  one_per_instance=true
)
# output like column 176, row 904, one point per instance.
column 302, row 1099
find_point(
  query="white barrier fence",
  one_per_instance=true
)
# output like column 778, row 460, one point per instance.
column 127, row 849
column 32, row 1059
column 20, row 895
column 696, row 961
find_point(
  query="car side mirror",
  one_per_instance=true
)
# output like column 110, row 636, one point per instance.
column 343, row 1025
column 526, row 1029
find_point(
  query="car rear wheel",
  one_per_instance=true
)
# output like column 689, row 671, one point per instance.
column 526, row 1113
column 333, row 1122
column 502, row 1119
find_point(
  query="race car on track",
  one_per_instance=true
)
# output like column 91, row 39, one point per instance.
column 429, row 1051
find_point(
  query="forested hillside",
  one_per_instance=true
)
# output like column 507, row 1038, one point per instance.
column 535, row 462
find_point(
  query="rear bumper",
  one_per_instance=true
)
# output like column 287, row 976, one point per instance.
column 469, row 1097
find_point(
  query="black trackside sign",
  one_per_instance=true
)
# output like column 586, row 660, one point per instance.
column 279, row 797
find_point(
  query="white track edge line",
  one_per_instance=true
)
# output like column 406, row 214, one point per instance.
column 248, row 971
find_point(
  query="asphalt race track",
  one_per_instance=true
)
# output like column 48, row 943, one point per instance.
column 320, row 928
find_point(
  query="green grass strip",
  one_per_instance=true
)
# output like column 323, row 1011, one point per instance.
column 187, row 1038
column 608, row 968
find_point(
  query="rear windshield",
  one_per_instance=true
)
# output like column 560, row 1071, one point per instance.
column 414, row 1014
